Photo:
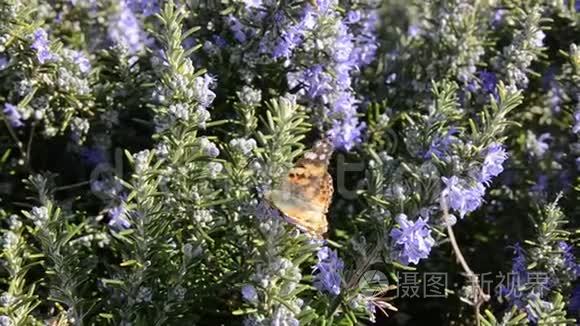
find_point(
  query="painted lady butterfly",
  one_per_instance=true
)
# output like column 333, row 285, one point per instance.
column 305, row 193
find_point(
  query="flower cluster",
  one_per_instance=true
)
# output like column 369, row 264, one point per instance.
column 41, row 45
column 125, row 28
column 328, row 271
column 466, row 195
column 412, row 240
column 322, row 50
column 553, row 259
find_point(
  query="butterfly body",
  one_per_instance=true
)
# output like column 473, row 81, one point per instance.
column 305, row 193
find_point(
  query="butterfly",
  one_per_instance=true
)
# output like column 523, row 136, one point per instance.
column 305, row 193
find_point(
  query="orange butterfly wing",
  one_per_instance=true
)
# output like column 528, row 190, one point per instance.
column 306, row 192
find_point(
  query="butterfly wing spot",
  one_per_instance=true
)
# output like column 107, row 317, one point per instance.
column 310, row 155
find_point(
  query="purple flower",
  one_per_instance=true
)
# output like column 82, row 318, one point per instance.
column 353, row 17
column 538, row 145
column 237, row 29
column 253, row 3
column 342, row 75
column 411, row 240
column 324, row 5
column 488, row 81
column 146, row 7
column 293, row 35
column 327, row 80
column 42, row 46
column 343, row 45
column 493, row 162
column 125, row 29
column 365, row 40
column 498, row 17
column 81, row 60
column 519, row 266
column 318, row 82
column 249, row 293
column 13, row 115
column 118, row 217
column 328, row 271
column 93, row 156
column 3, row 61
column 219, row 41
column 463, row 196
column 343, row 105
column 541, row 184
column 570, row 263
column 576, row 127
column 519, row 276
column 441, row 144
column 346, row 134
column 414, row 31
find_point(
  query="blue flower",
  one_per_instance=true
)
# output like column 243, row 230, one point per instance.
column 576, row 127
column 118, row 217
column 328, row 271
column 42, row 46
column 463, row 196
column 13, row 115
column 81, row 60
column 488, row 81
column 325, row 5
column 538, row 145
column 498, row 17
column 317, row 81
column 3, row 61
column 343, row 45
column 219, row 41
column 441, row 144
column 518, row 277
column 249, row 293
column 347, row 133
column 293, row 35
column 350, row 42
column 146, row 7
column 93, row 156
column 519, row 266
column 365, row 38
column 125, row 29
column 237, row 29
column 411, row 240
column 353, row 16
column 414, row 31
column 253, row 3
column 541, row 184
column 570, row 263
column 493, row 162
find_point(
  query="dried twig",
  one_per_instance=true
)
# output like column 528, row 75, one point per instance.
column 479, row 295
